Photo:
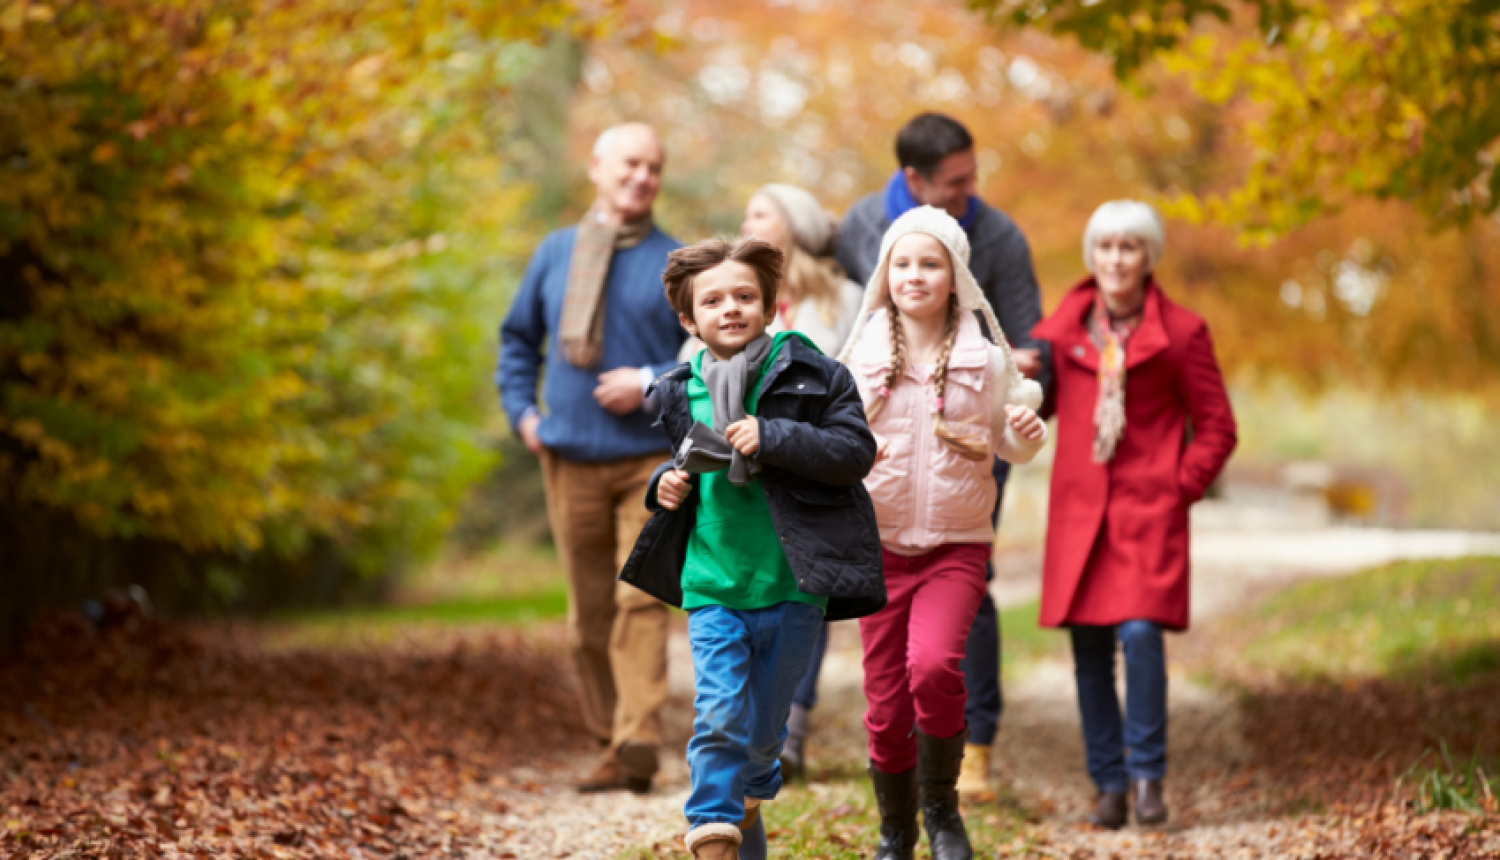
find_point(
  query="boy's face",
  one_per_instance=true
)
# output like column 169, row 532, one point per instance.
column 728, row 310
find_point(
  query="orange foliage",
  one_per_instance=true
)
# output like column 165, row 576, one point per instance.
column 812, row 92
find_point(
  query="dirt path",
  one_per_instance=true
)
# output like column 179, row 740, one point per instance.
column 166, row 740
column 1218, row 800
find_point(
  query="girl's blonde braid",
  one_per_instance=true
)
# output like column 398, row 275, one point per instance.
column 970, row 447
column 898, row 359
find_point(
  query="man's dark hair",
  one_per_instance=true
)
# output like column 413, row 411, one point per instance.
column 929, row 138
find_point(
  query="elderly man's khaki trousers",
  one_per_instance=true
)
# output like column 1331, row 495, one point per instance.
column 618, row 633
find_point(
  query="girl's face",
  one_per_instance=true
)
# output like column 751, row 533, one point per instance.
column 763, row 221
column 1120, row 266
column 920, row 277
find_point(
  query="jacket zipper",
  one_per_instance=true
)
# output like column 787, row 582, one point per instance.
column 919, row 526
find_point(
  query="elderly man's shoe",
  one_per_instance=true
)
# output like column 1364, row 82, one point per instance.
column 609, row 776
column 1149, row 806
column 1109, row 810
column 637, row 760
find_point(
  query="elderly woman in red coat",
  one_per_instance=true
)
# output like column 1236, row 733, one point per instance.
column 1143, row 427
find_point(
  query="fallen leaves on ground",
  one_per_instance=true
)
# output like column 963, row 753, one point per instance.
column 151, row 740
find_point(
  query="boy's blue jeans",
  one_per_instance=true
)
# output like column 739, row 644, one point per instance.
column 746, row 665
column 1136, row 747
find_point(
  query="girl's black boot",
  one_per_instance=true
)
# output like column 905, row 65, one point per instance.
column 938, row 763
column 896, row 795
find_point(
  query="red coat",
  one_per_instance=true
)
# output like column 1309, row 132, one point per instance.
column 1117, row 533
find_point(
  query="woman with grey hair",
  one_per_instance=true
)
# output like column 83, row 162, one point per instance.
column 819, row 301
column 816, row 298
column 1144, row 425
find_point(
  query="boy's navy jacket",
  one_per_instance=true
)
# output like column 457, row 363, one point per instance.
column 815, row 450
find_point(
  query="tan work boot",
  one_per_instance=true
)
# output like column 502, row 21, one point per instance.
column 974, row 774
column 714, row 842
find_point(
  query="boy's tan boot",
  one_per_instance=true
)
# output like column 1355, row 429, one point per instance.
column 714, row 842
column 974, row 775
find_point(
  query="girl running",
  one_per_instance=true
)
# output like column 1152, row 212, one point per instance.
column 942, row 401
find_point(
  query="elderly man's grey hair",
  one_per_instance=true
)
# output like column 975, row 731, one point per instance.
column 606, row 139
column 1126, row 218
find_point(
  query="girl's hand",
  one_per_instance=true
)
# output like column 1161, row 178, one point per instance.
column 672, row 488
column 744, row 435
column 1027, row 424
column 882, row 446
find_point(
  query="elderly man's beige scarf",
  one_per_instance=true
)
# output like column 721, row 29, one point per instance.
column 581, row 331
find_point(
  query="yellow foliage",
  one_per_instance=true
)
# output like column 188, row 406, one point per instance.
column 243, row 240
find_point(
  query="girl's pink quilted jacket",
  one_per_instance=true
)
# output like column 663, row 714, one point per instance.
column 925, row 493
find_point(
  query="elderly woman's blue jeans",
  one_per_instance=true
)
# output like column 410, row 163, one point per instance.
column 746, row 665
column 1135, row 747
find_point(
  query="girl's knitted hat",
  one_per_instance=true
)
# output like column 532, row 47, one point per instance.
column 941, row 226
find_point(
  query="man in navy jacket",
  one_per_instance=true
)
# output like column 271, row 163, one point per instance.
column 592, row 312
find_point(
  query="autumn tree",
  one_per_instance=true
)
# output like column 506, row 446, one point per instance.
column 1364, row 291
column 251, row 253
column 1375, row 98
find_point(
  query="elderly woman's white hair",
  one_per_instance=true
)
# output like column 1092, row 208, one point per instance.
column 1126, row 218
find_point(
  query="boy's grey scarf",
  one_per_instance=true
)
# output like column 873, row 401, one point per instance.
column 727, row 382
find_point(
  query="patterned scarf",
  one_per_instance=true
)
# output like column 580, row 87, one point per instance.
column 581, row 331
column 1109, row 335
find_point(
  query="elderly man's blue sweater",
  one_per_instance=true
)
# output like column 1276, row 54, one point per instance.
column 640, row 330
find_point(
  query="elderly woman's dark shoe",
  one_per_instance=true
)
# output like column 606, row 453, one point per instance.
column 1109, row 810
column 1149, row 806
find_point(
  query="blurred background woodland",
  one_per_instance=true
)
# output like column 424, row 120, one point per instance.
column 253, row 253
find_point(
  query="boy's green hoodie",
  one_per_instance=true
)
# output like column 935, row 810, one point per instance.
column 734, row 556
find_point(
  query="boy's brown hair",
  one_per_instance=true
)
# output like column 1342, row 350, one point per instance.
column 684, row 264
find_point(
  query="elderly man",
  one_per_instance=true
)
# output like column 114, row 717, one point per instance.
column 938, row 168
column 593, row 295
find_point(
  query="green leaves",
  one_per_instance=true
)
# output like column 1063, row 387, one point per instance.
column 243, row 244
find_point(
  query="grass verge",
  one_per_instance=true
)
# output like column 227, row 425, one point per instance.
column 1359, row 686
column 509, row 584
column 1022, row 641
column 1421, row 621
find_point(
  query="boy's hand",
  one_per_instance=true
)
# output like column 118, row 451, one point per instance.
column 1027, row 424
column 672, row 488
column 882, row 446
column 744, row 435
